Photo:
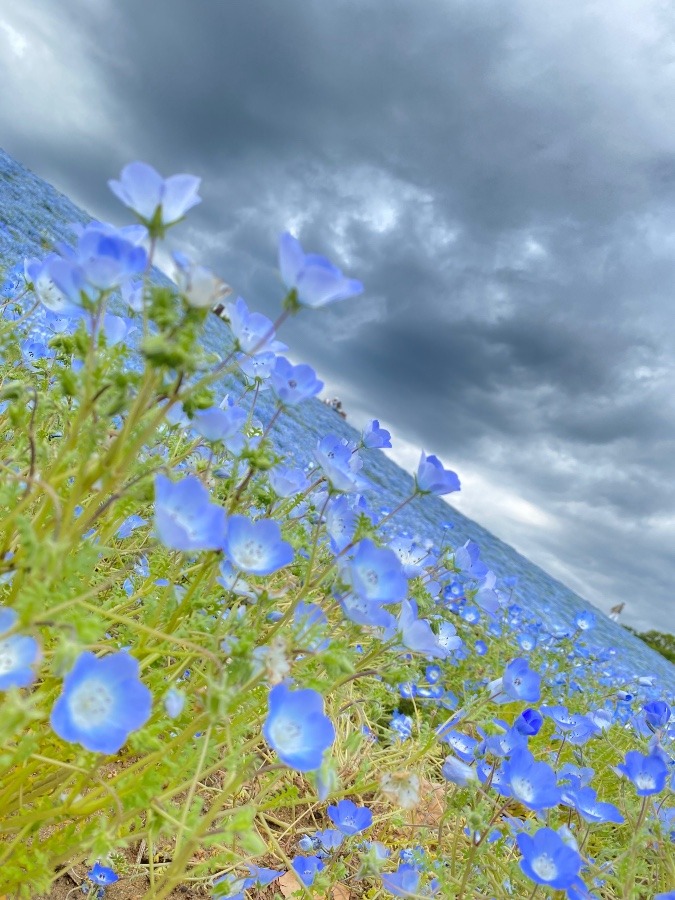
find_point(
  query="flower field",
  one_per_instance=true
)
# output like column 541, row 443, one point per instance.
column 241, row 653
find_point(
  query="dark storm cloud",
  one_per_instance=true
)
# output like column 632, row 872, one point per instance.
column 500, row 176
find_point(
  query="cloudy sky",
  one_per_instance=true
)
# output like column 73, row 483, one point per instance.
column 501, row 176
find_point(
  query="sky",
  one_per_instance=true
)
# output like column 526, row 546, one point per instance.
column 500, row 176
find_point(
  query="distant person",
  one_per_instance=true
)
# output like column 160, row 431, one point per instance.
column 616, row 611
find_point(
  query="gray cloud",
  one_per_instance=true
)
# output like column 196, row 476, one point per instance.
column 500, row 176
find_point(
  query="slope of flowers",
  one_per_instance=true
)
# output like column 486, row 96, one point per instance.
column 228, row 673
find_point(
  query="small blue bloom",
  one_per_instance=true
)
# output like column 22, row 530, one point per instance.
column 17, row 653
column 185, row 518
column 529, row 722
column 520, row 682
column 404, row 882
column 102, row 702
column 262, row 876
column 130, row 524
column 350, row 818
column 401, row 725
column 531, row 783
column 432, row 478
column 547, row 859
column 152, row 197
column 218, row 424
column 293, row 384
column 657, row 713
column 307, row 868
column 256, row 547
column 174, row 701
column 253, row 331
column 584, row 620
column 375, row 573
column 102, row 875
column 297, row 728
column 374, row 437
column 287, row 481
column 585, row 801
column 458, row 772
column 317, row 281
column 340, row 465
column 647, row 772
column 416, row 633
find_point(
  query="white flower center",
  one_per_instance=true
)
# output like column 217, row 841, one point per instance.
column 523, row 789
column 544, row 867
column 90, row 704
column 645, row 782
column 250, row 554
column 9, row 658
column 287, row 734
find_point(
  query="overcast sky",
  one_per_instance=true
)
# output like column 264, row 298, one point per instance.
column 500, row 175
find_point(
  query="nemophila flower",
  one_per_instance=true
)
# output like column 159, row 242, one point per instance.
column 448, row 638
column 467, row 559
column 416, row 633
column 39, row 275
column 102, row 702
column 261, row 876
column 287, row 481
column 647, row 772
column 531, row 783
column 258, row 368
column 307, row 868
column 197, row 284
column 584, row 620
column 130, row 524
column 527, row 641
column 256, row 547
column 221, row 424
column 412, row 556
column 519, row 682
column 374, row 437
column 105, row 257
column 367, row 612
column 432, row 478
column 463, row 744
column 547, row 859
column 657, row 713
column 102, row 875
column 375, row 574
column 458, row 772
column 340, row 465
column 316, row 280
column 253, row 331
column 481, row 648
column 350, row 818
column 174, row 701
column 158, row 202
column 328, row 840
column 401, row 725
column 230, row 887
column 185, row 517
column 529, row 722
column 18, row 653
column 297, row 728
column 586, row 803
column 293, row 384
column 340, row 522
column 505, row 742
column 404, row 882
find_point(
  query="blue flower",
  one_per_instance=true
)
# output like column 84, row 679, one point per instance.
column 297, row 728
column 102, row 702
column 130, row 524
column 401, row 725
column 340, row 465
column 253, row 331
column 256, row 547
column 519, row 682
column 404, row 882
column 102, row 875
column 584, row 620
column 416, row 633
column 293, row 384
column 657, row 713
column 375, row 574
column 185, row 518
column 221, row 424
column 156, row 200
column 317, row 281
column 374, row 437
column 350, row 818
column 307, row 868
column 199, row 286
column 287, row 481
column 104, row 257
column 174, row 701
column 340, row 522
column 432, row 478
column 458, row 772
column 529, row 722
column 585, row 801
column 531, row 783
column 547, row 859
column 18, row 653
column 648, row 773
column 261, row 876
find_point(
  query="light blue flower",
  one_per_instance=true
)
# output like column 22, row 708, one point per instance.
column 102, row 875
column 185, row 518
column 156, row 201
column 375, row 573
column 458, row 772
column 307, row 868
column 18, row 653
column 547, row 859
column 102, row 702
column 532, row 783
column 519, row 682
column 256, row 547
column 374, row 437
column 253, row 331
column 349, row 818
column 174, row 701
column 297, row 728
column 293, row 384
column 404, row 882
column 316, row 280
column 647, row 772
column 199, row 286
column 221, row 424
column 432, row 478
column 340, row 465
